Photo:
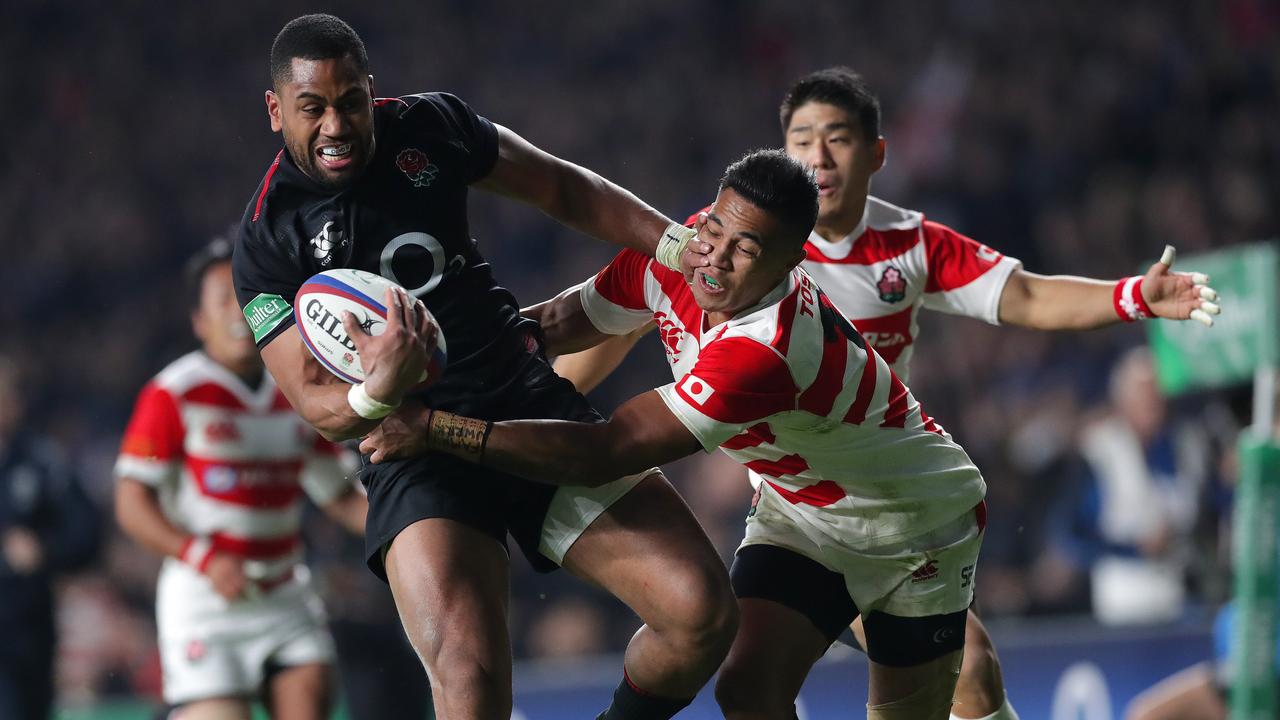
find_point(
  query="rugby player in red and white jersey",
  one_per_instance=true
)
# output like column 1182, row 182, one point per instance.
column 867, row 507
column 880, row 264
column 211, row 474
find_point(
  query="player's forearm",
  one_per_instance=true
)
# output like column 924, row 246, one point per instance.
column 138, row 512
column 325, row 408
column 556, row 452
column 588, row 368
column 597, row 207
column 1057, row 302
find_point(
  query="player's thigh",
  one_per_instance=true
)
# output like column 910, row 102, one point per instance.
column 774, row 650
column 300, row 692
column 650, row 552
column 213, row 709
column 1190, row 694
column 450, row 586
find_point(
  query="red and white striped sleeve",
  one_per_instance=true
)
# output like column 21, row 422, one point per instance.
column 615, row 299
column 736, row 383
column 152, row 449
column 965, row 276
column 325, row 475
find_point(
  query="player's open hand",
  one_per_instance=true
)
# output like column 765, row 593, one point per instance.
column 696, row 251
column 1179, row 295
column 226, row 572
column 395, row 360
column 401, row 434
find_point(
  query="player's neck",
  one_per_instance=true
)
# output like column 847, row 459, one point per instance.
column 837, row 229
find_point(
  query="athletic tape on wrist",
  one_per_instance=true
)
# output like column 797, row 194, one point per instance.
column 671, row 245
column 365, row 406
column 196, row 552
column 1128, row 301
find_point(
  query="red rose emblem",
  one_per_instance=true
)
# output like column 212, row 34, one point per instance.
column 411, row 161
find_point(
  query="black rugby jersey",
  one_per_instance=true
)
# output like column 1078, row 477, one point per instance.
column 404, row 218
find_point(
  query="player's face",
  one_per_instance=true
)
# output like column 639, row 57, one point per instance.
column 220, row 325
column 325, row 112
column 751, row 252
column 829, row 140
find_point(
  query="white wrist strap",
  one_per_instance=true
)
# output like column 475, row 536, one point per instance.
column 671, row 245
column 365, row 406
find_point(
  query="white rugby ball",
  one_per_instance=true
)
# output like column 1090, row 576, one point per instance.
column 318, row 309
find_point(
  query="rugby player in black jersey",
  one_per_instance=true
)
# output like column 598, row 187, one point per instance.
column 381, row 185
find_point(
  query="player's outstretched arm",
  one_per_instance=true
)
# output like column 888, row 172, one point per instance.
column 393, row 362
column 641, row 434
column 587, row 202
column 586, row 369
column 1063, row 302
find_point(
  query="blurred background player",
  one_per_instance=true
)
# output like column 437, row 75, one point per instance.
column 880, row 264
column 867, row 507
column 211, row 474
column 48, row 526
column 382, row 185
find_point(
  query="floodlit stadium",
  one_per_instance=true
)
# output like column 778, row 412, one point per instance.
column 1029, row 165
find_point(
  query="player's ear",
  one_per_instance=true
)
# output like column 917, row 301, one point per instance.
column 878, row 154
column 372, row 94
column 273, row 111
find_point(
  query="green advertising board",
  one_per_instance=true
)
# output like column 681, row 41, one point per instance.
column 1190, row 356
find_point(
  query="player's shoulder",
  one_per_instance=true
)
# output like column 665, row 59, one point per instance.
column 775, row 319
column 189, row 371
column 439, row 111
column 882, row 216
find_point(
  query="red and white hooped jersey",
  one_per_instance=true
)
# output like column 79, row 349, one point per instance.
column 230, row 462
column 790, row 390
column 896, row 262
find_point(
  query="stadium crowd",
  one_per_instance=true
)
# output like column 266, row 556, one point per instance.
column 1079, row 137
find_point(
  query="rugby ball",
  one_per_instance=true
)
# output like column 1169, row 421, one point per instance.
column 318, row 309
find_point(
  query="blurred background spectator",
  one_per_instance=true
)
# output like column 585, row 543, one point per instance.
column 47, row 527
column 1080, row 137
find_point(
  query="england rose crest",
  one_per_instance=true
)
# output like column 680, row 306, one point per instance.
column 892, row 286
column 415, row 165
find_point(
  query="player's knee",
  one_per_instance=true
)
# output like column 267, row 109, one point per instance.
column 458, row 676
column 743, row 694
column 703, row 611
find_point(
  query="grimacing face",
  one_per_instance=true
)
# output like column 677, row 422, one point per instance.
column 829, row 140
column 751, row 252
column 325, row 112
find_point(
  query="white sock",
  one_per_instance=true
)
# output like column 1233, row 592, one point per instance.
column 1005, row 712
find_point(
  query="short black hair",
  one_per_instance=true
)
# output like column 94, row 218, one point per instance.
column 838, row 86
column 315, row 37
column 778, row 184
column 218, row 250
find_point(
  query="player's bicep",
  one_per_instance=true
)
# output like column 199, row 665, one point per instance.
column 525, row 172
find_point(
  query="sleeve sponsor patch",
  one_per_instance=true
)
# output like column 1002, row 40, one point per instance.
column 264, row 313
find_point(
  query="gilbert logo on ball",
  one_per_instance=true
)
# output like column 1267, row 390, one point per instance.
column 318, row 309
